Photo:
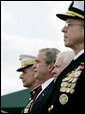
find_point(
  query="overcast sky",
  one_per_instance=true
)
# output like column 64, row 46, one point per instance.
column 26, row 27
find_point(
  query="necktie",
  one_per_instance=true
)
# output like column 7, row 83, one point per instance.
column 36, row 94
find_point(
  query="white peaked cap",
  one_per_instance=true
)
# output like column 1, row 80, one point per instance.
column 26, row 61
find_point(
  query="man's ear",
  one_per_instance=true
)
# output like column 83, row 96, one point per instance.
column 51, row 66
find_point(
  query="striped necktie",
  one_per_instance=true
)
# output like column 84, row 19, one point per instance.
column 36, row 94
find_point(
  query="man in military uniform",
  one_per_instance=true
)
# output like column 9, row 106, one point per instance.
column 26, row 68
column 27, row 77
column 69, row 95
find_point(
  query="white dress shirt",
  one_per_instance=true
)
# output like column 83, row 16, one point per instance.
column 44, row 85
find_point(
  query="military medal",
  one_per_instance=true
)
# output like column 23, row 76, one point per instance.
column 72, row 91
column 63, row 89
column 63, row 99
column 66, row 79
column 69, row 82
column 77, row 74
column 73, row 85
column 67, row 90
column 64, row 84
column 74, row 80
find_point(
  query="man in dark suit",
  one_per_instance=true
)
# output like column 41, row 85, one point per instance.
column 43, row 67
column 43, row 100
column 68, row 94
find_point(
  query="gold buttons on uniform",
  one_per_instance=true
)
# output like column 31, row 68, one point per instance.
column 50, row 108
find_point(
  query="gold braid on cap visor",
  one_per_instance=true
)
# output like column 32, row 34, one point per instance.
column 25, row 63
column 71, row 13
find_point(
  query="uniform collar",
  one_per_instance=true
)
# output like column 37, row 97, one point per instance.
column 80, row 53
column 34, row 90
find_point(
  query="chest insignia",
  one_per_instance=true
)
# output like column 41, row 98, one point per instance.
column 69, row 82
column 63, row 99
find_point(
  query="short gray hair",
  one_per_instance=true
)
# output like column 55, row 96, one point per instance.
column 51, row 54
column 67, row 56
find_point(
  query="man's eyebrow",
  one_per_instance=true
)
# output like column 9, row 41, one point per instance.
column 36, row 60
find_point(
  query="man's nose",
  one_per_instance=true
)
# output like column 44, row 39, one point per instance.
column 35, row 65
column 64, row 29
column 21, row 76
column 54, row 71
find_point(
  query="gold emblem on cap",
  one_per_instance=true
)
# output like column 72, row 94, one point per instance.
column 63, row 99
column 25, row 63
column 71, row 13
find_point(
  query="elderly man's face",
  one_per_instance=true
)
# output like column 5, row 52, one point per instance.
column 58, row 67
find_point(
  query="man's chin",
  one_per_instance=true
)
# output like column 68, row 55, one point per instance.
column 24, row 85
column 66, row 45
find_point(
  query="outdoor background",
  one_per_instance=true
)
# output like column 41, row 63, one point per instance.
column 26, row 27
